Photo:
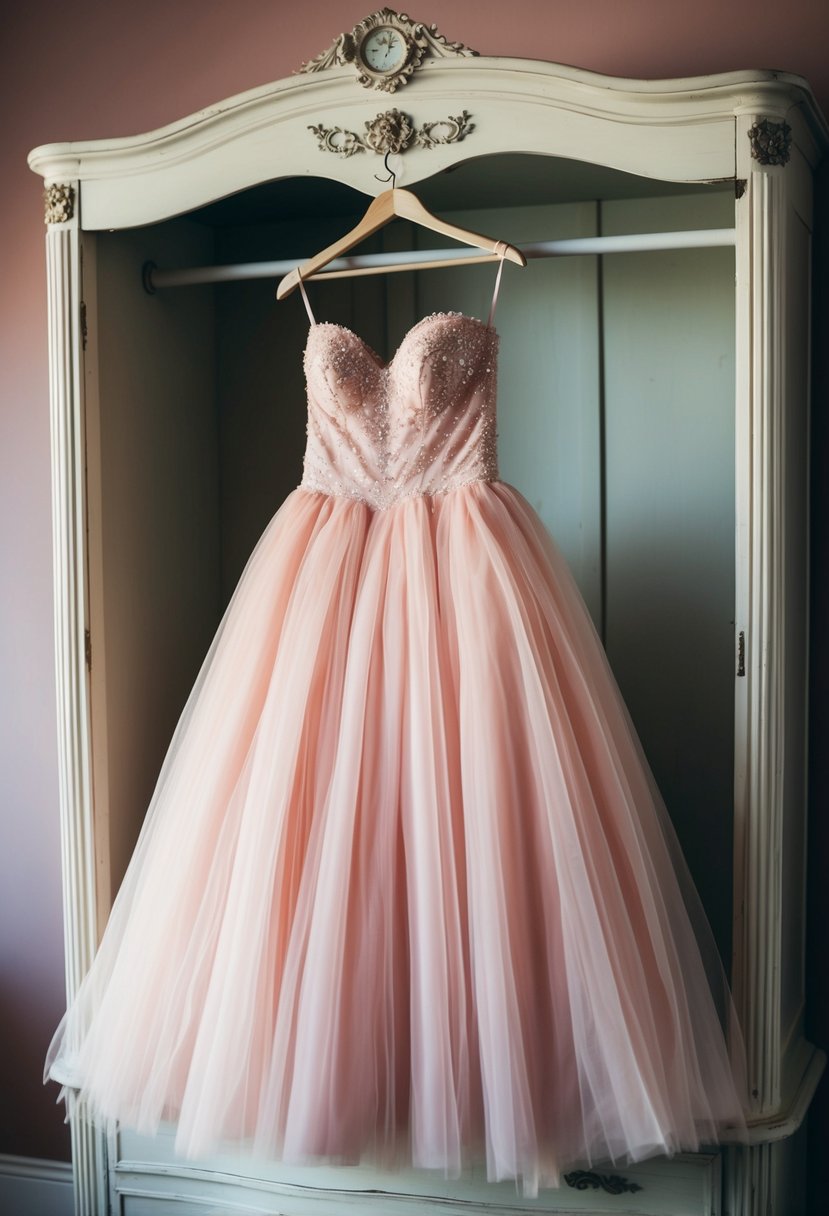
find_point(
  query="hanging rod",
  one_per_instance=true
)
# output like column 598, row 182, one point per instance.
column 380, row 263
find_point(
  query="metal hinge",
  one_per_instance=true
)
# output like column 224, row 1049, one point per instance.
column 87, row 648
column 741, row 653
column 83, row 324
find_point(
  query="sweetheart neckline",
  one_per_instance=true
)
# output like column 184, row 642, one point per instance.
column 384, row 366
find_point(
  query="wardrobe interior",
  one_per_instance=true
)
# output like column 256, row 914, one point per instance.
column 616, row 421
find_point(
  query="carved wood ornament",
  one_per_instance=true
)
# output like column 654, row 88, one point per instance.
column 58, row 203
column 392, row 131
column 770, row 141
column 386, row 48
column 613, row 1184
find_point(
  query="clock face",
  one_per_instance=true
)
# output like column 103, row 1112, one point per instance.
column 384, row 49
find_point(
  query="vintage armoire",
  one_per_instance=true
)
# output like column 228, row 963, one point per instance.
column 653, row 406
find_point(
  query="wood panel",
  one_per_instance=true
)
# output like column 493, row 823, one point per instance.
column 149, row 1180
column 154, row 534
column 669, row 374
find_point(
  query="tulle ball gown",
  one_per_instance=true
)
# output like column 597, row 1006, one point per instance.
column 406, row 892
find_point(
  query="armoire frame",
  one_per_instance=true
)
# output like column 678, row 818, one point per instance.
column 761, row 131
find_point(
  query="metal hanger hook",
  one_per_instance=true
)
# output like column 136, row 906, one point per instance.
column 392, row 175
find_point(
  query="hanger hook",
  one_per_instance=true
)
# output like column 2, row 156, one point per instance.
column 392, row 175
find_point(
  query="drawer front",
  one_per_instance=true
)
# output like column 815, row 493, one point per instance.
column 147, row 1179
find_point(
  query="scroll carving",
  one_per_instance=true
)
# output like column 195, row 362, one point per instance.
column 419, row 41
column 614, row 1184
column 393, row 131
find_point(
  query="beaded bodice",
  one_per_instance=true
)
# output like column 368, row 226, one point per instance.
column 421, row 424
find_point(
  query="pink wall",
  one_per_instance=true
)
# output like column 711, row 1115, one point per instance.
column 94, row 69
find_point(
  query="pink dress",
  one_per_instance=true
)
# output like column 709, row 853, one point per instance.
column 406, row 891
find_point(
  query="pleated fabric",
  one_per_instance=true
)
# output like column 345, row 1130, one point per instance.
column 406, row 891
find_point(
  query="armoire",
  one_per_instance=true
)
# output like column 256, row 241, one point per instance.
column 653, row 407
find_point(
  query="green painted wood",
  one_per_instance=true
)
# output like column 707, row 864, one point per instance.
column 669, row 350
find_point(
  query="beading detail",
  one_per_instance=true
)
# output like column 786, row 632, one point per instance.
column 420, row 424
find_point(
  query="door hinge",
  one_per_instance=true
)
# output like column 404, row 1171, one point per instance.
column 87, row 648
column 741, row 653
column 83, row 324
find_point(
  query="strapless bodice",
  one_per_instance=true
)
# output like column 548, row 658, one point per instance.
column 421, row 424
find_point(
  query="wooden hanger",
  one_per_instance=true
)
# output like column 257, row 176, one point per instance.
column 396, row 203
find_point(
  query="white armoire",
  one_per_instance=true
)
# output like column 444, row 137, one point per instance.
column 653, row 406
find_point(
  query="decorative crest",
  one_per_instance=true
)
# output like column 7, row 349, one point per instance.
column 386, row 48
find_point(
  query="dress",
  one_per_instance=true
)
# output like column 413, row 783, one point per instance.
column 406, row 891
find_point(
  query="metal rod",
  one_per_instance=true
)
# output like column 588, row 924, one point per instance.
column 637, row 242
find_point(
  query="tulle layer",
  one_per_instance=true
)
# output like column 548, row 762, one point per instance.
column 406, row 891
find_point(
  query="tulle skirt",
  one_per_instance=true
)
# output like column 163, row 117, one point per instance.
column 406, row 891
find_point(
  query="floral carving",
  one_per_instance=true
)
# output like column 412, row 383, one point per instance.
column 770, row 141
column 392, row 131
column 389, row 132
column 59, row 203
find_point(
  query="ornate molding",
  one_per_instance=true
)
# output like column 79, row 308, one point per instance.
column 559, row 111
column 770, row 141
column 417, row 39
column 393, row 131
column 58, row 203
column 614, row 1184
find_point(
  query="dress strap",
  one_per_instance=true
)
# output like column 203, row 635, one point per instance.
column 305, row 298
column 503, row 251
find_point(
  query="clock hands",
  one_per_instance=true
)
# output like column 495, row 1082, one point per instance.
column 382, row 49
column 387, row 42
